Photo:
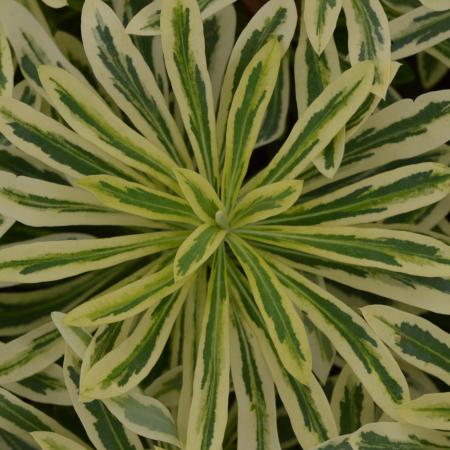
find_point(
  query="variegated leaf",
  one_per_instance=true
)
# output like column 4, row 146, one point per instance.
column 351, row 403
column 437, row 5
column 103, row 429
column 318, row 125
column 418, row 30
column 55, row 145
column 123, row 72
column 30, row 353
column 196, row 249
column 166, row 388
column 428, row 411
column 369, row 39
column 200, row 195
column 137, row 199
column 431, row 70
column 20, row 418
column 283, row 323
column 48, row 440
column 320, row 18
column 393, row 250
column 441, row 52
column 185, row 58
column 266, row 201
column 376, row 198
column 129, row 362
column 416, row 340
column 6, row 66
column 246, row 116
column 367, row 356
column 46, row 261
column 209, row 407
column 255, row 394
column 276, row 18
column 83, row 109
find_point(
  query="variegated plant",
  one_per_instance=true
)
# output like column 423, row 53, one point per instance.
column 199, row 304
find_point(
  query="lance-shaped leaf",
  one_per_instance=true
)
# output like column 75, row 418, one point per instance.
column 46, row 386
column 351, row 403
column 209, row 407
column 219, row 31
column 283, row 323
column 126, row 301
column 6, row 66
column 418, row 30
column 416, row 340
column 128, row 363
column 376, row 198
column 430, row 69
column 369, row 39
column 429, row 293
column 55, row 145
column 266, row 201
column 20, row 418
column 48, row 440
column 30, row 353
column 246, row 116
column 200, row 195
column 276, row 19
column 398, row 251
column 123, row 72
column 255, row 394
column 441, row 52
column 103, row 429
column 46, row 261
column 320, row 123
column 308, row 409
column 145, row 416
column 196, row 249
column 147, row 21
column 88, row 115
column 166, row 387
column 40, row 203
column 184, row 54
column 320, row 18
column 403, row 130
column 437, row 5
column 397, row 435
column 32, row 44
column 312, row 74
column 367, row 356
column 134, row 198
column 428, row 411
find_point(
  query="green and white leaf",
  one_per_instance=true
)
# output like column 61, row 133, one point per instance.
column 283, row 323
column 351, row 403
column 416, row 340
column 437, row 5
column 123, row 72
column 320, row 18
column 209, row 407
column 103, row 429
column 48, row 440
column 139, row 200
column 185, row 59
column 199, row 194
column 255, row 394
column 428, row 411
column 246, row 116
column 276, row 19
column 144, row 416
column 196, row 249
column 6, row 66
column 418, row 30
column 369, row 39
column 129, row 362
column 166, row 388
column 30, row 353
column 397, row 191
column 46, row 261
column 319, row 124
column 431, row 70
column 94, row 120
column 77, row 339
column 265, row 202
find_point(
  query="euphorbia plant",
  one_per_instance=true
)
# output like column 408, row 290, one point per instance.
column 229, row 273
